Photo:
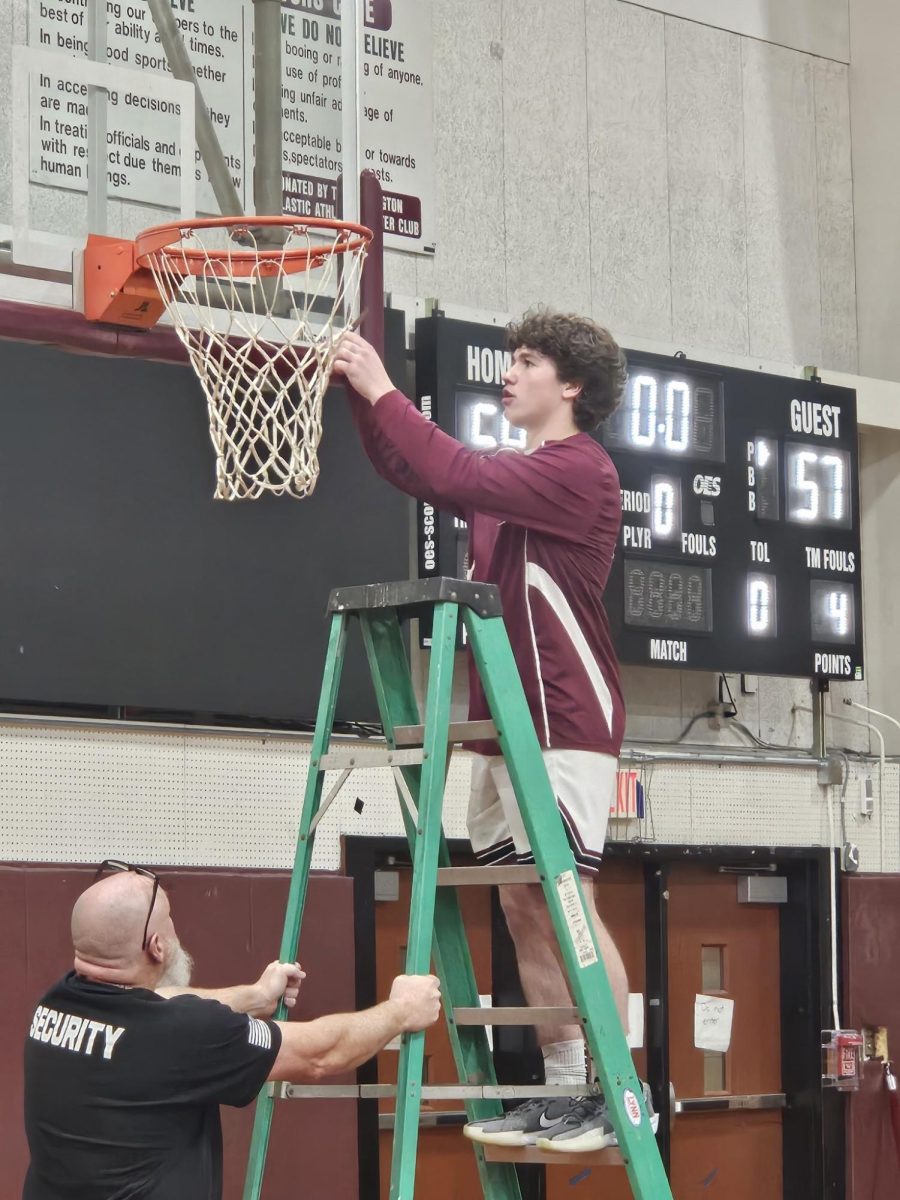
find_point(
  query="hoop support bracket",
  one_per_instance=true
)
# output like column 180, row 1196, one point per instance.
column 116, row 289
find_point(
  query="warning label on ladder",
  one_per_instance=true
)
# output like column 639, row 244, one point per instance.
column 573, row 911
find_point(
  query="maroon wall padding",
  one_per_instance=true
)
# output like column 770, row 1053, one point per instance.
column 231, row 922
column 67, row 329
column 871, row 944
column 371, row 287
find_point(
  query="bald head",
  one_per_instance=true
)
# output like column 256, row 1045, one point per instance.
column 108, row 925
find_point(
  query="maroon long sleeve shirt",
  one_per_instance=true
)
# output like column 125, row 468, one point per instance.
column 543, row 527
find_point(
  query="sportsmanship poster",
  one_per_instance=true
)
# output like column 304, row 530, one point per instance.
column 144, row 162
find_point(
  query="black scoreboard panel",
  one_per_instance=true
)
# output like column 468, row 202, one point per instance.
column 124, row 584
column 740, row 522
column 739, row 548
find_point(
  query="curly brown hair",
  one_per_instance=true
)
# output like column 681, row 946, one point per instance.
column 583, row 352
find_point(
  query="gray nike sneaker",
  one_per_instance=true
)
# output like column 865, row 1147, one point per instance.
column 587, row 1126
column 522, row 1125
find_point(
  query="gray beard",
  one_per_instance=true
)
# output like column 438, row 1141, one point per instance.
column 178, row 969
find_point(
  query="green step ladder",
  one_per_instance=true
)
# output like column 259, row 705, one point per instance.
column 418, row 754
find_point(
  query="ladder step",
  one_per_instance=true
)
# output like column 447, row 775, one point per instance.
column 485, row 876
column 458, row 731
column 431, row 1091
column 374, row 757
column 515, row 1016
column 553, row 1158
column 483, row 598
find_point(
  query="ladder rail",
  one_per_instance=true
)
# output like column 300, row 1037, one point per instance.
column 290, row 938
column 399, row 709
column 584, row 968
column 422, row 901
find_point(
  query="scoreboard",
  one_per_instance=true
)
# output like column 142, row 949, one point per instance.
column 739, row 548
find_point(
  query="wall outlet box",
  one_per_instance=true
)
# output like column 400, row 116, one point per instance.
column 831, row 771
column 850, row 857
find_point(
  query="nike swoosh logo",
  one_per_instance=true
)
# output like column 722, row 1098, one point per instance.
column 545, row 1124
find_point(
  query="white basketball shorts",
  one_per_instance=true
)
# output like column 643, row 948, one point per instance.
column 584, row 784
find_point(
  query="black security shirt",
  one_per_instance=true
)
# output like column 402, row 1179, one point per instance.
column 123, row 1087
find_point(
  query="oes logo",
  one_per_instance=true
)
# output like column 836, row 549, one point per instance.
column 707, row 485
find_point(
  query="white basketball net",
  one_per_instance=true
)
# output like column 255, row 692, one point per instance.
column 262, row 344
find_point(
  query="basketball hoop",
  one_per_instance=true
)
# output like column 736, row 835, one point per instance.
column 261, row 305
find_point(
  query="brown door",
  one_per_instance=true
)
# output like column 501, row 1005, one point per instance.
column 446, row 1163
column 719, row 947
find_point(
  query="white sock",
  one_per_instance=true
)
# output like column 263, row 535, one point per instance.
column 564, row 1062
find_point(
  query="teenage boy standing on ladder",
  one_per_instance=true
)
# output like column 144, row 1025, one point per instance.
column 543, row 527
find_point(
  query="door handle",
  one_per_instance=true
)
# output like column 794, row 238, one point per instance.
column 698, row 1104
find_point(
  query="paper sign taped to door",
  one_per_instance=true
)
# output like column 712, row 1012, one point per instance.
column 635, row 1020
column 712, row 1022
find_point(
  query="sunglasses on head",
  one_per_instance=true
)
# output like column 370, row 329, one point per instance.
column 110, row 866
